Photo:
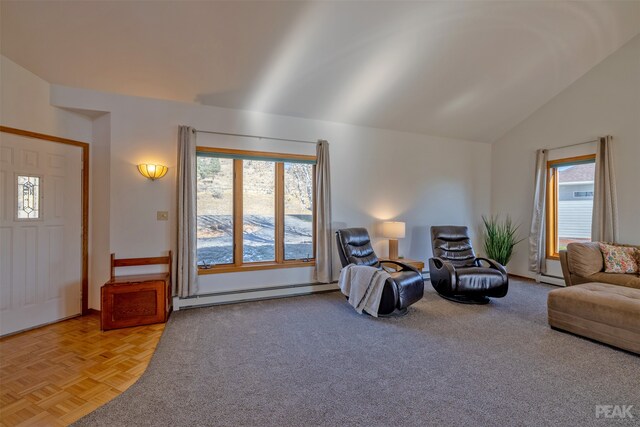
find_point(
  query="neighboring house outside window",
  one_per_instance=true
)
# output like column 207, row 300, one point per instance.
column 569, row 202
column 255, row 210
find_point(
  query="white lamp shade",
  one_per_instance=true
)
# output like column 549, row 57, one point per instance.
column 393, row 229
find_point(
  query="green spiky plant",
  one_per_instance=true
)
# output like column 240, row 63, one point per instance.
column 499, row 238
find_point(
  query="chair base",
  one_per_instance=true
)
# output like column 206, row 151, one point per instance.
column 399, row 312
column 396, row 313
column 464, row 299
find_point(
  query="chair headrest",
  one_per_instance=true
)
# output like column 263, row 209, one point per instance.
column 449, row 232
column 452, row 242
column 354, row 247
column 354, row 236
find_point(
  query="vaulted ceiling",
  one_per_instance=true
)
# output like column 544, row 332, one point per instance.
column 469, row 70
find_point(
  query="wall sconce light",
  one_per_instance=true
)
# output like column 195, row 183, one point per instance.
column 393, row 230
column 152, row 172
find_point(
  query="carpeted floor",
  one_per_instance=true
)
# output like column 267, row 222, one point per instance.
column 313, row 361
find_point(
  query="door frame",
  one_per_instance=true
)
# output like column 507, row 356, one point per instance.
column 85, row 200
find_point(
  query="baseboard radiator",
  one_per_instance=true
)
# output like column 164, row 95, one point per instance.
column 550, row 279
column 256, row 294
column 245, row 295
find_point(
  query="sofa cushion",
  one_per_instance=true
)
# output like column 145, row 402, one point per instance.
column 619, row 259
column 626, row 280
column 585, row 259
column 607, row 313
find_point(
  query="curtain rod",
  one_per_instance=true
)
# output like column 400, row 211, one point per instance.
column 256, row 136
column 573, row 145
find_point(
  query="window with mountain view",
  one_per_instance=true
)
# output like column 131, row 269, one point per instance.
column 215, row 210
column 258, row 210
column 569, row 202
column 254, row 210
column 298, row 211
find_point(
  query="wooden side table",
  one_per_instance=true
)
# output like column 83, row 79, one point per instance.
column 412, row 262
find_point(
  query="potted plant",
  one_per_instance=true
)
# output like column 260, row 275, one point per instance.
column 499, row 238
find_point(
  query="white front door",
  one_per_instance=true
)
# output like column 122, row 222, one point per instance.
column 40, row 232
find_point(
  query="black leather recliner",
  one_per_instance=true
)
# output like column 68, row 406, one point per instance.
column 457, row 274
column 404, row 288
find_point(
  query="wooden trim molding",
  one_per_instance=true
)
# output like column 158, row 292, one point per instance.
column 552, row 202
column 46, row 137
column 552, row 212
column 247, row 153
column 128, row 262
column 85, row 199
column 255, row 266
column 552, row 163
column 519, row 277
column 279, row 212
column 238, row 250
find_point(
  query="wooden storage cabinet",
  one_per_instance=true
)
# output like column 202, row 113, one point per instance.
column 135, row 300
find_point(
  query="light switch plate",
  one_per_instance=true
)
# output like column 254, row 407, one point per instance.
column 163, row 216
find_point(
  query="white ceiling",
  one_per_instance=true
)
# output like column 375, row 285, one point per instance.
column 469, row 70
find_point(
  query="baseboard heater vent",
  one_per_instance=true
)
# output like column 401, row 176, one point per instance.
column 255, row 294
column 551, row 280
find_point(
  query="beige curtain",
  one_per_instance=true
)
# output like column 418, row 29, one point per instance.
column 187, row 269
column 324, row 246
column 537, row 241
column 604, row 224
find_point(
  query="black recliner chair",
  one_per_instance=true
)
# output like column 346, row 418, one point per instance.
column 457, row 274
column 404, row 288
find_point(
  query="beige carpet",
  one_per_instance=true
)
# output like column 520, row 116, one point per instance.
column 313, row 361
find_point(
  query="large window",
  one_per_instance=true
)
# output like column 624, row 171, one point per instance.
column 569, row 202
column 255, row 210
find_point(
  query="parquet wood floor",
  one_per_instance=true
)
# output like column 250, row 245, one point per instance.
column 54, row 375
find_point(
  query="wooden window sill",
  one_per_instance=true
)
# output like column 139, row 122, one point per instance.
column 554, row 257
column 256, row 267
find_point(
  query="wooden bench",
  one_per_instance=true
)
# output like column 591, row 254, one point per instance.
column 136, row 300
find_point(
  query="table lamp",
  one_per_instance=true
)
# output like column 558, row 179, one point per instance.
column 393, row 230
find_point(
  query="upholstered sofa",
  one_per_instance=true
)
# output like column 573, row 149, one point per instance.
column 597, row 305
column 583, row 263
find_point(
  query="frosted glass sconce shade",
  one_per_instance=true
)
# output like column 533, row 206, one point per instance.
column 151, row 171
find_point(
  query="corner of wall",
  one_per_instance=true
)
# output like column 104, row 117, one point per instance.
column 100, row 206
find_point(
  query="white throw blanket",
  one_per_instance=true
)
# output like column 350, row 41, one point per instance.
column 363, row 285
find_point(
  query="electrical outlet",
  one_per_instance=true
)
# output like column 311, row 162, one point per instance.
column 163, row 216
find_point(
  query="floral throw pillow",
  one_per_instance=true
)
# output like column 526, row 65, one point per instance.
column 619, row 259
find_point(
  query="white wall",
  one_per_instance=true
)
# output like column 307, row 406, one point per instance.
column 605, row 101
column 99, row 212
column 376, row 175
column 25, row 105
